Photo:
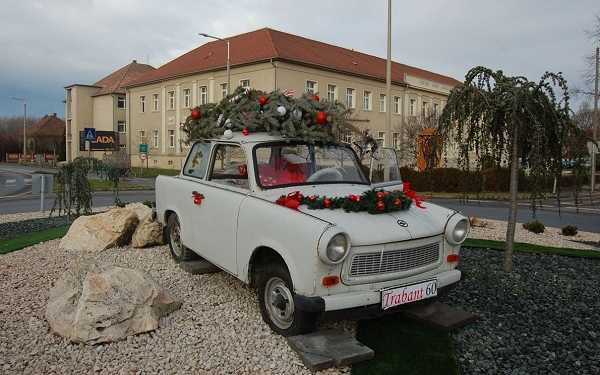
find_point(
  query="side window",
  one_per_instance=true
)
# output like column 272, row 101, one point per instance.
column 197, row 161
column 229, row 166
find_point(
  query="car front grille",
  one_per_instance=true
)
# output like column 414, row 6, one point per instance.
column 394, row 261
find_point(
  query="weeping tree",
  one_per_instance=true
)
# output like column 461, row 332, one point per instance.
column 526, row 122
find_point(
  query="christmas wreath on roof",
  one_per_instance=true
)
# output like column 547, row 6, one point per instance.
column 249, row 111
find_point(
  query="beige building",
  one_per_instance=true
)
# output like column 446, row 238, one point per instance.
column 102, row 107
column 161, row 99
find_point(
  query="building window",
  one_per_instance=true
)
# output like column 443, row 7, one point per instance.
column 382, row 102
column 223, row 90
column 424, row 109
column 412, row 107
column 121, row 126
column 331, row 93
column 155, row 101
column 397, row 105
column 435, row 108
column 381, row 137
column 245, row 83
column 311, row 87
column 121, row 102
column 155, row 138
column 171, row 138
column 367, row 100
column 143, row 104
column 142, row 136
column 203, row 95
column 171, row 95
column 350, row 98
column 347, row 137
column 396, row 140
column 186, row 98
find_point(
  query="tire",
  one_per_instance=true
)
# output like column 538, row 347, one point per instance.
column 179, row 252
column 131, row 174
column 276, row 301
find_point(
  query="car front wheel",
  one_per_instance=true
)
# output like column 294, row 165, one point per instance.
column 179, row 252
column 276, row 300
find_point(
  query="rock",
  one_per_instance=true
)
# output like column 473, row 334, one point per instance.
column 101, row 231
column 140, row 209
column 149, row 232
column 96, row 302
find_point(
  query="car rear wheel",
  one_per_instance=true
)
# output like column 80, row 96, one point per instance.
column 179, row 252
column 276, row 300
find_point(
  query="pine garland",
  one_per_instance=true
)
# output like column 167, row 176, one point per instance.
column 374, row 201
column 276, row 113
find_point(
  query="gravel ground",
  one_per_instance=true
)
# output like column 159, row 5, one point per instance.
column 542, row 318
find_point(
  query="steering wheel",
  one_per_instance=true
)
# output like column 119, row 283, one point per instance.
column 327, row 174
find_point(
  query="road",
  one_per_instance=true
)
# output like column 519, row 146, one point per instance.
column 15, row 197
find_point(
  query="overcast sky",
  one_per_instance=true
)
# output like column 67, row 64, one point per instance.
column 47, row 45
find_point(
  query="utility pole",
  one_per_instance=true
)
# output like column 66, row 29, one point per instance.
column 595, row 131
column 388, row 81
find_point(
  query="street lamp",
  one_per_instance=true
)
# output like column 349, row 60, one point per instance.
column 224, row 40
column 595, row 129
column 24, row 122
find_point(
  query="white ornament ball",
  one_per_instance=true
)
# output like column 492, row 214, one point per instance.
column 297, row 113
column 228, row 134
column 228, row 123
column 282, row 111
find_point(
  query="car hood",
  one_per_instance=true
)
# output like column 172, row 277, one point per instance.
column 365, row 228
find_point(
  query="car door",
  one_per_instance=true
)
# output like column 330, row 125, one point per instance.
column 215, row 218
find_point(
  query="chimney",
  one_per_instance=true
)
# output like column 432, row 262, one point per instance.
column 135, row 61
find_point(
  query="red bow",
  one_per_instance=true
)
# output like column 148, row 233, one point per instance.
column 413, row 194
column 292, row 200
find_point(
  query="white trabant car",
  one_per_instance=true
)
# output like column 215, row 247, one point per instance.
column 305, row 224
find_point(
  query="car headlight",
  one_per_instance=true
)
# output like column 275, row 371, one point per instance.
column 334, row 247
column 457, row 229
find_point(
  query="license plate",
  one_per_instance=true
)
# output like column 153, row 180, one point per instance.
column 403, row 294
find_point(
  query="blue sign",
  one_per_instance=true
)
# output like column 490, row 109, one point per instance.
column 89, row 134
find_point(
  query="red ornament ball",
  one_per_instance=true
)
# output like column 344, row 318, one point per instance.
column 245, row 131
column 381, row 205
column 321, row 117
column 327, row 202
column 195, row 114
column 352, row 197
column 398, row 202
column 312, row 198
column 380, row 194
column 315, row 97
column 263, row 100
column 358, row 198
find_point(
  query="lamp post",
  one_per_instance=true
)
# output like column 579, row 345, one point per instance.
column 24, row 122
column 595, row 129
column 223, row 40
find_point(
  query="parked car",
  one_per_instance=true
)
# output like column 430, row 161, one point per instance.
column 306, row 226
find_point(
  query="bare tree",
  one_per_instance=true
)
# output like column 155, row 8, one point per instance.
column 410, row 127
column 588, row 73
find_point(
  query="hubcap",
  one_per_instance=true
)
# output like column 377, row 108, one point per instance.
column 176, row 239
column 279, row 303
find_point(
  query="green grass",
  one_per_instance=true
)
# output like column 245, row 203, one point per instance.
column 530, row 248
column 403, row 346
column 20, row 242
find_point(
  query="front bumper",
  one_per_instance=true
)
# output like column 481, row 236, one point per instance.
column 362, row 298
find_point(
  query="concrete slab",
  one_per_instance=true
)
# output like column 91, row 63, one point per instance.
column 198, row 267
column 441, row 316
column 332, row 348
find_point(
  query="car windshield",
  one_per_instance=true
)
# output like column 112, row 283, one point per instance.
column 284, row 164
